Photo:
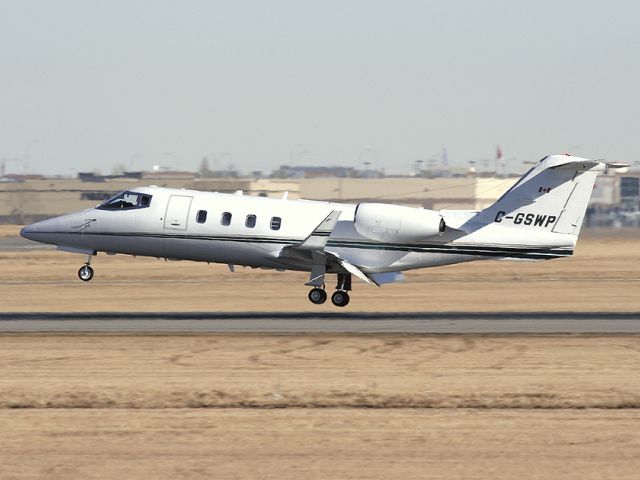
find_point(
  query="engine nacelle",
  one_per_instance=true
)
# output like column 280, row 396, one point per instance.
column 394, row 223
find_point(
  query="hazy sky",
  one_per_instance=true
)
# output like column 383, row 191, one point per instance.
column 90, row 84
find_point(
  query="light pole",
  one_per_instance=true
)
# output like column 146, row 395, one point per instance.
column 172, row 157
column 28, row 155
column 3, row 165
column 292, row 153
column 418, row 168
column 375, row 154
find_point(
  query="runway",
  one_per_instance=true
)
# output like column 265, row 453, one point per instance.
column 328, row 322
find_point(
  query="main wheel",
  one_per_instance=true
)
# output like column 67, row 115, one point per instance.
column 85, row 273
column 317, row 296
column 340, row 298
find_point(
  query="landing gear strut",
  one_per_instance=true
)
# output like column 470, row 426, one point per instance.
column 340, row 297
column 86, row 272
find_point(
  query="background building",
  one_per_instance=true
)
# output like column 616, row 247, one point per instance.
column 615, row 201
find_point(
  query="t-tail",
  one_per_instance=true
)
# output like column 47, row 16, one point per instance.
column 546, row 206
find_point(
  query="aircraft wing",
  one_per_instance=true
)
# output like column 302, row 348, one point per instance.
column 349, row 267
column 317, row 240
column 376, row 279
column 312, row 251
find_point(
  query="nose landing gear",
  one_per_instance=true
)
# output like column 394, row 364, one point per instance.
column 86, row 272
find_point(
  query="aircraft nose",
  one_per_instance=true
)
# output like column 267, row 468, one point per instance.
column 27, row 232
column 38, row 231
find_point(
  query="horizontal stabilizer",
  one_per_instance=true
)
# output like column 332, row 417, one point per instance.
column 585, row 164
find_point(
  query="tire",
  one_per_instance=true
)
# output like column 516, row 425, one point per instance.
column 85, row 273
column 340, row 298
column 317, row 296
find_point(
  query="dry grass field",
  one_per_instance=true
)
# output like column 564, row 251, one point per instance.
column 9, row 230
column 319, row 444
column 76, row 406
column 318, row 371
column 319, row 406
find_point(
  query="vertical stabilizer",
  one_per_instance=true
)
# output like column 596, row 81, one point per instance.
column 552, row 197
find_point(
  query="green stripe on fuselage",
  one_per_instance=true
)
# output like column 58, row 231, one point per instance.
column 472, row 250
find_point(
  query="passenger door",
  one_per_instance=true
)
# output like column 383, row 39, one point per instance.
column 177, row 214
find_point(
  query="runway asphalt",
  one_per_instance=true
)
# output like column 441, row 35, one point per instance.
column 328, row 322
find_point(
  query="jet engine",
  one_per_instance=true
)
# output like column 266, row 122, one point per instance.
column 394, row 223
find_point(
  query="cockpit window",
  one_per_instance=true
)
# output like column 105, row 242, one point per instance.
column 126, row 201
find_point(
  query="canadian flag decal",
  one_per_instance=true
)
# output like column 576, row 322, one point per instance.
column 544, row 189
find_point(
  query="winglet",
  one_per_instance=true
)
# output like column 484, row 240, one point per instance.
column 319, row 237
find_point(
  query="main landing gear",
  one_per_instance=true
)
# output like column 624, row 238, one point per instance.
column 86, row 272
column 340, row 297
column 318, row 296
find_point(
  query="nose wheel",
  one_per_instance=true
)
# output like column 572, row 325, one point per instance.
column 86, row 272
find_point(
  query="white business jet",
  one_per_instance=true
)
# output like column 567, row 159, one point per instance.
column 539, row 218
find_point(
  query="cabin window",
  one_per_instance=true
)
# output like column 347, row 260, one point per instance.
column 126, row 201
column 250, row 222
column 276, row 223
column 225, row 220
column 201, row 217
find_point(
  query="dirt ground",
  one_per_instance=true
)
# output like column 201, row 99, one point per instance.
column 320, row 444
column 318, row 371
column 603, row 275
column 319, row 406
column 9, row 230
